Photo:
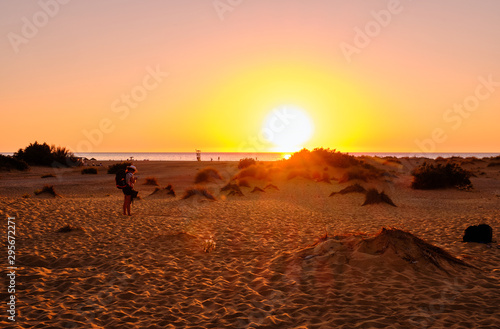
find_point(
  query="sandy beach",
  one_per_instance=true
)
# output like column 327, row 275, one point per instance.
column 285, row 257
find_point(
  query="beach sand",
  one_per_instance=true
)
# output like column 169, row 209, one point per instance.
column 287, row 258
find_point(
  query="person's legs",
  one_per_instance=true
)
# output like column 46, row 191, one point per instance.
column 129, row 201
column 126, row 205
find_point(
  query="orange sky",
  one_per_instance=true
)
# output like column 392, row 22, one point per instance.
column 172, row 76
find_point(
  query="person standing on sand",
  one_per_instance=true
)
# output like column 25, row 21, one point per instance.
column 128, row 191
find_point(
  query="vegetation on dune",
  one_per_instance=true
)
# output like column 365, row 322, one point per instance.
column 246, row 162
column 48, row 189
column 198, row 191
column 320, row 156
column 151, row 181
column 207, row 175
column 254, row 171
column 10, row 163
column 429, row 176
column 37, row 154
column 113, row 169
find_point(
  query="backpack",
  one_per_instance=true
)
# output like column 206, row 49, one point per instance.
column 121, row 179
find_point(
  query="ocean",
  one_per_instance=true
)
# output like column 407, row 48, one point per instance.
column 230, row 156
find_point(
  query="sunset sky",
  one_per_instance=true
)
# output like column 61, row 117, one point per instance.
column 251, row 75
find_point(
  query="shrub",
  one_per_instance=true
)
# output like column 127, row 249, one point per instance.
column 246, row 162
column 89, row 171
column 151, row 181
column 322, row 156
column 207, row 175
column 113, row 169
column 10, row 163
column 37, row 154
column 428, row 176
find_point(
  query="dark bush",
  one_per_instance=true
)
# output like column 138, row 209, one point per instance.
column 428, row 176
column 113, row 169
column 322, row 156
column 37, row 154
column 89, row 171
column 10, row 163
column 246, row 162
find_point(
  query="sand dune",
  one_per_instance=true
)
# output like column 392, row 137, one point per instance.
column 271, row 266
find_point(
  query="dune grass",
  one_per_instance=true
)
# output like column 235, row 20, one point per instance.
column 151, row 181
column 246, row 162
column 207, row 175
column 198, row 191
column 48, row 189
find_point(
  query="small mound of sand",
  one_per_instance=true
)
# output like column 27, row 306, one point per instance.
column 409, row 248
column 391, row 248
column 257, row 189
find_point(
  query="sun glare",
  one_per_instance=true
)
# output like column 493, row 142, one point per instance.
column 287, row 128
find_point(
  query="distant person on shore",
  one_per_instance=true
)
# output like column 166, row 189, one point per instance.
column 129, row 191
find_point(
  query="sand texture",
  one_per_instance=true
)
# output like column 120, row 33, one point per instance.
column 285, row 256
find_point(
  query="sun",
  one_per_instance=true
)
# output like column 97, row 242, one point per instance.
column 287, row 128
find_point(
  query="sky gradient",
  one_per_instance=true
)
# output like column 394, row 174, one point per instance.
column 172, row 76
